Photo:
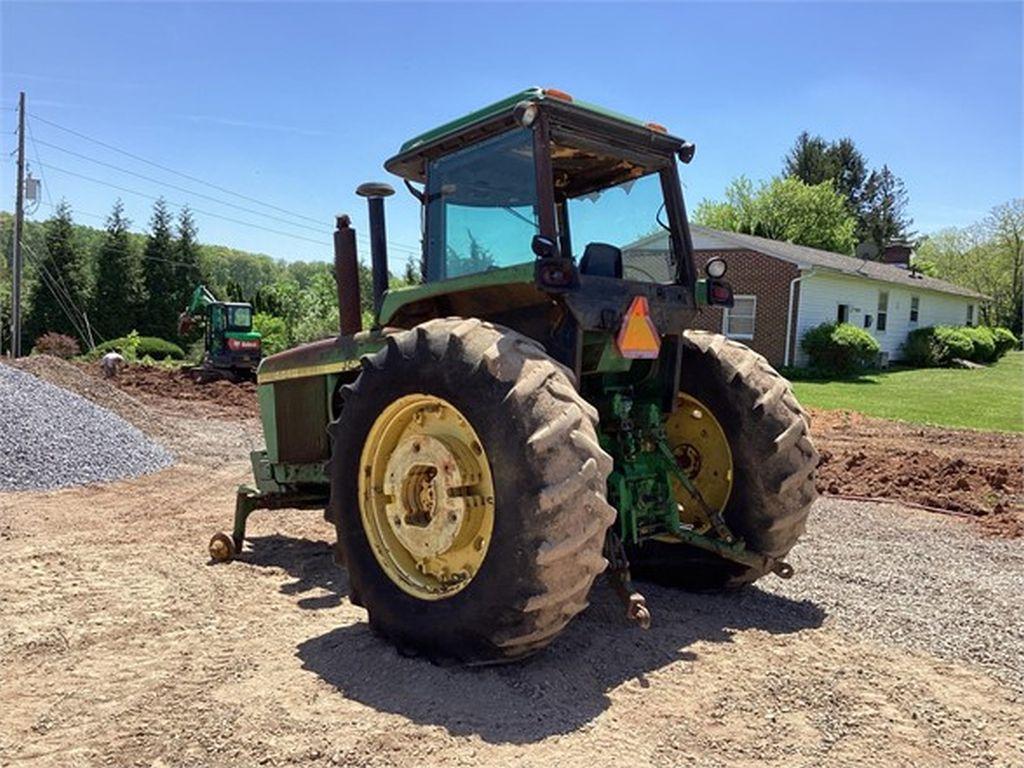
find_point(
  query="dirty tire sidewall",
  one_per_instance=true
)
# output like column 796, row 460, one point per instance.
column 509, row 390
column 774, row 464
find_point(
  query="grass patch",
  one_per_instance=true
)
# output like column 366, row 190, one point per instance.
column 990, row 398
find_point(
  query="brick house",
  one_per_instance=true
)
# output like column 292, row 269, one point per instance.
column 782, row 290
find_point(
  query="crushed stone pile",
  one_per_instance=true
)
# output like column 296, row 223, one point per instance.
column 52, row 438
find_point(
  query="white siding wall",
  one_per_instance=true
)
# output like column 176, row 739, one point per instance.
column 822, row 293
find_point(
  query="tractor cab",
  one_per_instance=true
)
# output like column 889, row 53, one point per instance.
column 540, row 196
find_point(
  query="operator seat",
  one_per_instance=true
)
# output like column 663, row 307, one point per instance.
column 601, row 259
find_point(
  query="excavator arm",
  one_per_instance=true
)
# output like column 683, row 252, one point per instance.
column 195, row 312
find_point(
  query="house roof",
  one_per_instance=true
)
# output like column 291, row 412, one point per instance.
column 706, row 239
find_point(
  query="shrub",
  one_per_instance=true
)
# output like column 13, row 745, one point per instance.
column 931, row 347
column 953, row 344
column 57, row 344
column 133, row 346
column 984, row 344
column 840, row 348
column 1005, row 340
column 273, row 330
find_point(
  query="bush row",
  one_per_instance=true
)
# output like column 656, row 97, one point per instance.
column 134, row 346
column 840, row 348
column 941, row 345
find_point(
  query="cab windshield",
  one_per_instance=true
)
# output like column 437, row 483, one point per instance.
column 239, row 318
column 482, row 207
column 630, row 216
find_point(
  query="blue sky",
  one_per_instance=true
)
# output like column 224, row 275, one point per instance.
column 294, row 105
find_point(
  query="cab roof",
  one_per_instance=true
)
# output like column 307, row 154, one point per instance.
column 409, row 163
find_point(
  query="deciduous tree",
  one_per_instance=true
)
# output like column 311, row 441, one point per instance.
column 784, row 209
column 987, row 257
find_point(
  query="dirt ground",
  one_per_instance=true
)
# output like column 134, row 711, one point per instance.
column 897, row 643
column 979, row 474
column 975, row 474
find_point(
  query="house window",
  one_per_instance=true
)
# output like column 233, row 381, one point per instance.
column 970, row 314
column 883, row 310
column 843, row 313
column 738, row 320
column 915, row 308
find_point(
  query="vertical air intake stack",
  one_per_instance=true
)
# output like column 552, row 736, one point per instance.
column 375, row 192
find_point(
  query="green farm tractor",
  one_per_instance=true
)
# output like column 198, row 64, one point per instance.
column 538, row 410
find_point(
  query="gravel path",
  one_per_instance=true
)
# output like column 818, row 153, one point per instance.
column 896, row 643
column 52, row 438
column 915, row 579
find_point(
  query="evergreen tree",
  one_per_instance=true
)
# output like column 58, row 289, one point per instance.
column 187, row 274
column 849, row 171
column 882, row 217
column 878, row 200
column 60, row 289
column 814, row 160
column 119, row 299
column 809, row 160
column 161, row 283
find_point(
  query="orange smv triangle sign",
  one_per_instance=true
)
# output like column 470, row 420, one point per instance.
column 638, row 339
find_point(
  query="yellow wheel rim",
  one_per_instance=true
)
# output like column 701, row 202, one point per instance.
column 426, row 496
column 702, row 452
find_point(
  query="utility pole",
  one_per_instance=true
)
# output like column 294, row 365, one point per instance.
column 19, row 223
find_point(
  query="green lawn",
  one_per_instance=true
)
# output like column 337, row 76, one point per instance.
column 990, row 398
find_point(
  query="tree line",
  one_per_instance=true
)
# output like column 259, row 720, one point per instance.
column 122, row 280
column 988, row 257
column 825, row 197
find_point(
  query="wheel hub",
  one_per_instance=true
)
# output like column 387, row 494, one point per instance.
column 703, row 454
column 422, row 483
column 426, row 496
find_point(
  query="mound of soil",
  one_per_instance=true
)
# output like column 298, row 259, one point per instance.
column 219, row 398
column 978, row 474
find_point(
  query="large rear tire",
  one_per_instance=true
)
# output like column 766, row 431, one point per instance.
column 539, row 546
column 773, row 463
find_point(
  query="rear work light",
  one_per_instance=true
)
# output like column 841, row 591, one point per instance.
column 638, row 338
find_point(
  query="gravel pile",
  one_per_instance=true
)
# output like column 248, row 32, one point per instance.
column 52, row 438
column 914, row 579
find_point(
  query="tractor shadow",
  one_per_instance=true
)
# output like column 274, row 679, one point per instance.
column 310, row 564
column 561, row 689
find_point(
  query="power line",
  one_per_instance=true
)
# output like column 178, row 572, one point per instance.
column 185, row 205
column 171, row 170
column 35, row 151
column 179, row 189
column 396, row 246
column 51, row 284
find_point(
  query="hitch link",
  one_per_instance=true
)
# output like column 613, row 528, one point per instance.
column 618, row 571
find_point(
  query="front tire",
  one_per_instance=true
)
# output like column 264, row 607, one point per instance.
column 549, row 475
column 773, row 464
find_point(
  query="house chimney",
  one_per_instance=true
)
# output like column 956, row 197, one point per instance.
column 898, row 254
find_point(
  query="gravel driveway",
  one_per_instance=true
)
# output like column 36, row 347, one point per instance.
column 897, row 643
column 917, row 580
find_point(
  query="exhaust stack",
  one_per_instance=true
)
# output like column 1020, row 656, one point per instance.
column 375, row 192
column 346, row 276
